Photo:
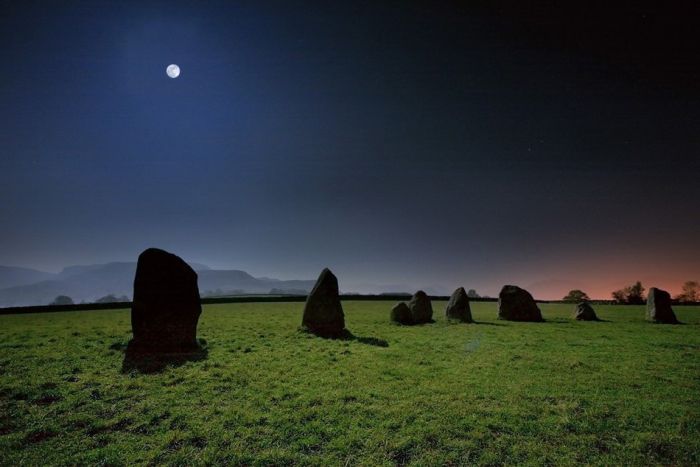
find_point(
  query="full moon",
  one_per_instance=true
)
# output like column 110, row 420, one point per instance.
column 173, row 71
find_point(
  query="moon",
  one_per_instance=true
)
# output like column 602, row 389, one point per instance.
column 173, row 71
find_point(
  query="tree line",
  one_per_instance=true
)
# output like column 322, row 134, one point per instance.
column 630, row 295
column 634, row 294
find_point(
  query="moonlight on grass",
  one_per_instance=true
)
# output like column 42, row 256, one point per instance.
column 173, row 71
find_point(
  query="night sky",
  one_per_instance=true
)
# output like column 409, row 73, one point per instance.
column 438, row 145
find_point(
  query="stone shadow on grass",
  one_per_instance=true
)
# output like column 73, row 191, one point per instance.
column 432, row 321
column 504, row 322
column 550, row 321
column 148, row 362
column 371, row 341
column 346, row 335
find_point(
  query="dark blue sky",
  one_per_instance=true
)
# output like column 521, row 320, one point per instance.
column 426, row 145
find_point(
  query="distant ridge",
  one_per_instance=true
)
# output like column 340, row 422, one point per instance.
column 11, row 276
column 88, row 283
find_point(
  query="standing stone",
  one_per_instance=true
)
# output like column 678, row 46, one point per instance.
column 585, row 312
column 458, row 307
column 516, row 304
column 421, row 308
column 401, row 314
column 659, row 307
column 323, row 313
column 166, row 306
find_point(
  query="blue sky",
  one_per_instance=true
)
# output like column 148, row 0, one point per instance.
column 396, row 144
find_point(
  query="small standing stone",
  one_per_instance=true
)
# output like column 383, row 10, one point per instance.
column 458, row 307
column 401, row 314
column 659, row 307
column 516, row 304
column 421, row 308
column 166, row 306
column 323, row 313
column 585, row 312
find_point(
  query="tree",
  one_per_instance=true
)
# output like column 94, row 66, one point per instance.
column 690, row 292
column 576, row 296
column 472, row 294
column 111, row 298
column 62, row 300
column 619, row 296
column 632, row 294
column 106, row 299
column 635, row 294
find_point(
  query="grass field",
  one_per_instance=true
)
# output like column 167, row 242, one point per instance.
column 620, row 391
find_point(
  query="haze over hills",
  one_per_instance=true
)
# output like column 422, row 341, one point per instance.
column 21, row 286
column 88, row 283
column 14, row 276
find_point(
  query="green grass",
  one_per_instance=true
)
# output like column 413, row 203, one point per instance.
column 616, row 392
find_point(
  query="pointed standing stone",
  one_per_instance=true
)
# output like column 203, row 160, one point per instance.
column 421, row 308
column 458, row 307
column 516, row 304
column 166, row 306
column 585, row 312
column 323, row 313
column 659, row 307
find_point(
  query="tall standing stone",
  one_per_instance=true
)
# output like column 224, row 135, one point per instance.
column 323, row 313
column 458, row 307
column 421, row 308
column 401, row 314
column 659, row 307
column 166, row 305
column 516, row 304
column 585, row 312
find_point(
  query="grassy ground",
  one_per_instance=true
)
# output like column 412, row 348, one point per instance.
column 615, row 392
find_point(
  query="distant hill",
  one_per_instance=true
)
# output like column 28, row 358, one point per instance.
column 89, row 283
column 12, row 276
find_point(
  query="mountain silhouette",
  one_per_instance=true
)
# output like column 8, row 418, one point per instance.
column 88, row 283
column 11, row 276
